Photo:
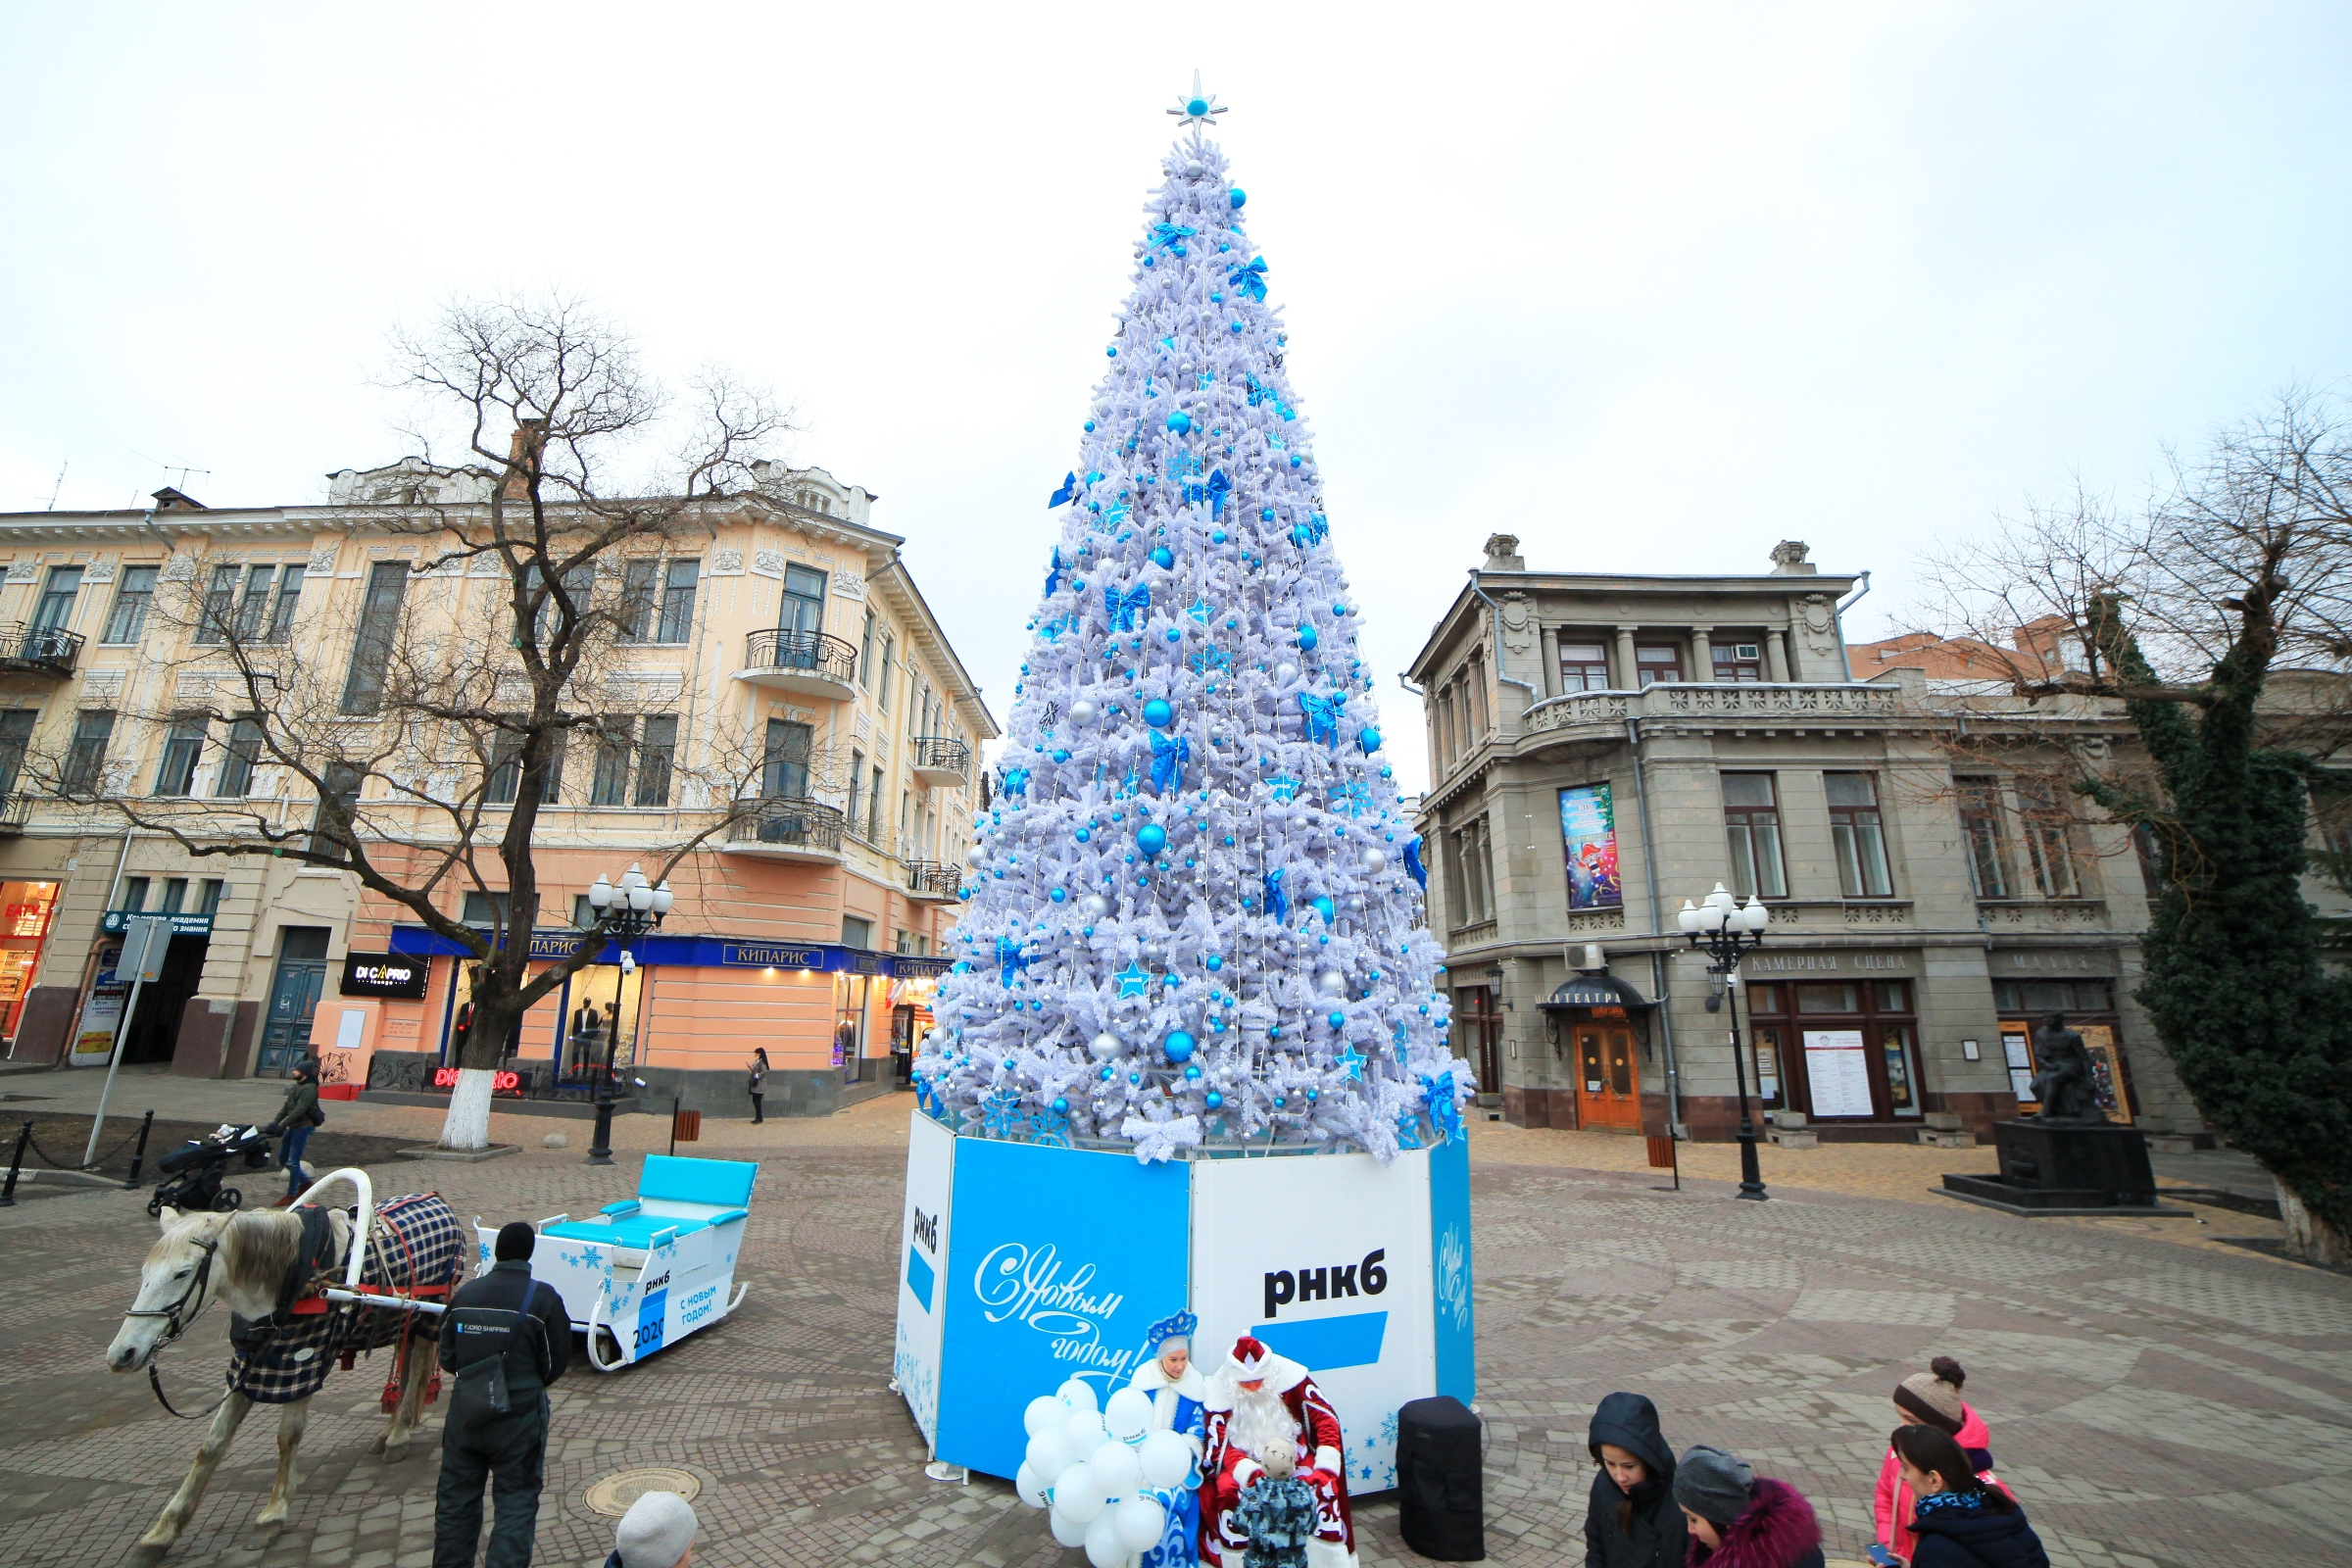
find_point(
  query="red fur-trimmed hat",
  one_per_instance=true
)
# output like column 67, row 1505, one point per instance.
column 1249, row 1360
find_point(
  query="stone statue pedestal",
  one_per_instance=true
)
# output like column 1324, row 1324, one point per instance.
column 2058, row 1167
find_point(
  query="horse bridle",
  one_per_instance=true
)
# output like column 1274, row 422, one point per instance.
column 176, row 1326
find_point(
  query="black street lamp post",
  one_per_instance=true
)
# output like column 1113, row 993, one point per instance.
column 1726, row 929
column 625, row 910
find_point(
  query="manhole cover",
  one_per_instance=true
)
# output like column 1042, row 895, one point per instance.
column 612, row 1496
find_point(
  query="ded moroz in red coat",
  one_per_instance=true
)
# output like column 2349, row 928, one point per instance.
column 1226, row 1469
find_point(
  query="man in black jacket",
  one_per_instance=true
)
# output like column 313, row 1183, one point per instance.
column 507, row 1337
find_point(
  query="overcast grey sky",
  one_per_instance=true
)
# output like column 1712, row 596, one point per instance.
column 1652, row 287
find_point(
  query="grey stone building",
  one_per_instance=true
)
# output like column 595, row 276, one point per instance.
column 1604, row 747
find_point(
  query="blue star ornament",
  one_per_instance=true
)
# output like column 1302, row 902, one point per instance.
column 1354, row 1060
column 1133, row 982
column 1197, row 108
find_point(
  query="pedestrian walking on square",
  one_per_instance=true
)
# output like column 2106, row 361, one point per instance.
column 1929, row 1398
column 507, row 1337
column 1742, row 1520
column 296, row 1117
column 1631, row 1520
column 658, row 1531
column 759, row 1077
column 1960, row 1522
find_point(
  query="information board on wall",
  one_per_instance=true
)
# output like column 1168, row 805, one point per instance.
column 1838, row 1067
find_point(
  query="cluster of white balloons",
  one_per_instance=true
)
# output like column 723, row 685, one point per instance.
column 1095, row 1467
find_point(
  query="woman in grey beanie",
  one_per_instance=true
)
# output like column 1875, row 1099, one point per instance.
column 1738, row 1520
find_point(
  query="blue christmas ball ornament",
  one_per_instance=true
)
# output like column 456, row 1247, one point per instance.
column 1215, row 963
column 1218, row 538
column 1061, row 756
column 1113, row 352
column 1212, row 1100
column 1237, row 196
column 1152, row 838
column 1084, row 834
column 1307, row 638
column 1265, row 513
column 1387, row 772
column 1157, row 713
column 1237, row 326
column 1368, row 738
column 1311, row 1094
column 1325, row 907
column 1191, row 1074
column 1337, row 1021
column 1278, row 1101
column 1061, row 1106
column 1180, row 422
column 1163, row 558
column 1296, row 460
column 1089, row 425
column 1178, row 1045
column 1060, row 894
column 1339, row 610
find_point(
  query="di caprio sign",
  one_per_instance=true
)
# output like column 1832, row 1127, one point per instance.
column 383, row 974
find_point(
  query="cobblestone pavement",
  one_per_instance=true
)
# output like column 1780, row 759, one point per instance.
column 2156, row 1396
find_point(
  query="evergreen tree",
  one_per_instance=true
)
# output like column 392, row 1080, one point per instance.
column 1196, row 912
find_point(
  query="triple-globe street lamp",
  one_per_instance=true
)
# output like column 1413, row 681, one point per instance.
column 624, row 910
column 1726, row 929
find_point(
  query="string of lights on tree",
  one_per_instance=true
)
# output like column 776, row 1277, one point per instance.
column 1196, row 915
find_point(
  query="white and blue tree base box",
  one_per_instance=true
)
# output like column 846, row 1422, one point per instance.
column 1024, row 1264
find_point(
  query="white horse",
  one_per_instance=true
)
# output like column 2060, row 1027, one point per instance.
column 240, row 1258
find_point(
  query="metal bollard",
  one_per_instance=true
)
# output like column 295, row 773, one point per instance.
column 16, row 1163
column 138, row 1155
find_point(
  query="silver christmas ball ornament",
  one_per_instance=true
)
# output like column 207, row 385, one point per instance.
column 1332, row 983
column 1104, row 1045
column 1373, row 860
column 1082, row 712
column 1286, row 673
column 1094, row 905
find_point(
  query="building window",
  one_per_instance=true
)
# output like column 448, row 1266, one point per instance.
column 85, row 756
column 2049, row 843
column 254, row 619
column 615, row 739
column 804, row 599
column 181, row 747
column 288, row 601
column 1981, row 827
column 873, row 804
column 216, row 615
column 175, row 896
column 678, row 582
column 371, row 646
column 866, row 655
column 784, row 772
column 636, row 607
column 890, row 647
column 208, row 899
column 1736, row 661
column 1584, row 667
column 1858, row 834
column 55, row 607
column 583, row 914
column 1475, row 681
column 856, row 783
column 486, row 909
column 1751, row 816
column 127, row 621
column 16, row 736
column 1474, row 874
column 547, row 618
column 342, row 782
column 655, row 755
column 857, row 933
column 1657, row 662
column 134, row 894
column 506, row 769
column 237, row 760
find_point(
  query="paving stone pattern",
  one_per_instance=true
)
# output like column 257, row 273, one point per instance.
column 2153, row 1403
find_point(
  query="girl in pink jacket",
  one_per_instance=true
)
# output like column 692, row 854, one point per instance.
column 1930, row 1399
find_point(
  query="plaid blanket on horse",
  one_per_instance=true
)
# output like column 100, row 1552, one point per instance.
column 413, row 1241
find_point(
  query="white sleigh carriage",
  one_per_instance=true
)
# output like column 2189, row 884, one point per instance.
column 653, row 1268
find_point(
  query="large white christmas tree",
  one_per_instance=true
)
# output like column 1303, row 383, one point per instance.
column 1196, row 915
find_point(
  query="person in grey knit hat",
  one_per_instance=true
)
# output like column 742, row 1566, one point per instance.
column 658, row 1531
column 1740, row 1520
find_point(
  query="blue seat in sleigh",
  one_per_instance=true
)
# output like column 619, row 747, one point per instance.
column 652, row 1268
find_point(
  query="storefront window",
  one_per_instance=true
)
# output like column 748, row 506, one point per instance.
column 25, row 911
column 1818, row 998
column 1837, row 1049
column 849, row 1024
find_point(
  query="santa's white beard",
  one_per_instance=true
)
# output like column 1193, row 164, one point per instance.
column 1261, row 1423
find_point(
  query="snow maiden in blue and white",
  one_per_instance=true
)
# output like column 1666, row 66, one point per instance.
column 1196, row 917
column 1178, row 1394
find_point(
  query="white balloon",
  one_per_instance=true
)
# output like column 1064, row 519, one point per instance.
column 1049, row 1453
column 1128, row 1414
column 1079, row 1395
column 1065, row 1530
column 1084, row 1433
column 1044, row 1411
column 1166, row 1459
column 1117, row 1470
column 1076, row 1496
column 1140, row 1521
column 1103, row 1547
column 1030, row 1485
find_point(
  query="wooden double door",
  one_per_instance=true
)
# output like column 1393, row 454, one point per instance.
column 1609, row 1076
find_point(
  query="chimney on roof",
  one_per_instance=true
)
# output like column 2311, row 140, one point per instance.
column 169, row 500
column 1503, row 552
column 524, row 452
column 1788, row 560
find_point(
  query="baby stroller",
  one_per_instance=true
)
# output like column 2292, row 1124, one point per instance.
column 192, row 1172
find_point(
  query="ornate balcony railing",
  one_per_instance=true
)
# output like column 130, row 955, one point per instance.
column 1746, row 701
column 789, row 824
column 938, row 754
column 808, row 653
column 14, row 809
column 38, row 650
column 929, row 879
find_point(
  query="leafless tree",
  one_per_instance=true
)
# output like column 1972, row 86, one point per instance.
column 436, row 753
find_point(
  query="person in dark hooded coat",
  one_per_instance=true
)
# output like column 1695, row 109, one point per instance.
column 1632, row 1520
column 1959, row 1521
